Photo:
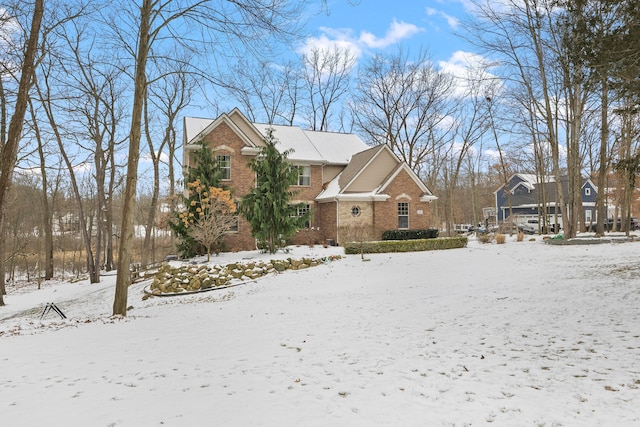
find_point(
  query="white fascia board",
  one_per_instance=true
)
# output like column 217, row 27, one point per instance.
column 367, row 197
column 428, row 198
column 250, row 151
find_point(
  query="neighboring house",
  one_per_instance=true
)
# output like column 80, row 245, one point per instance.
column 342, row 181
column 526, row 199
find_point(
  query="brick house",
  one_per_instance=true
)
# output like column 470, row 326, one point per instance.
column 346, row 184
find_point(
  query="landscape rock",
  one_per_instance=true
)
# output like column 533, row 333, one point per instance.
column 189, row 278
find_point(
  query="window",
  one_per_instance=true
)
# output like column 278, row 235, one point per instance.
column 224, row 163
column 588, row 218
column 302, row 210
column 304, row 175
column 234, row 226
column 403, row 215
column 355, row 211
column 587, row 191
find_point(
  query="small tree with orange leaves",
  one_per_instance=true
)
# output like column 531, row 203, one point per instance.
column 212, row 214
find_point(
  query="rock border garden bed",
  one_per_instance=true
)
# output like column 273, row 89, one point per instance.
column 173, row 280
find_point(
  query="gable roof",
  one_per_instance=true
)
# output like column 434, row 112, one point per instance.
column 196, row 128
column 531, row 197
column 357, row 164
column 527, row 180
column 338, row 188
column 307, row 146
column 362, row 163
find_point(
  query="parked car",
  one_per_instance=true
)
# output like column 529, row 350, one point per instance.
column 550, row 229
column 527, row 228
column 463, row 228
column 619, row 225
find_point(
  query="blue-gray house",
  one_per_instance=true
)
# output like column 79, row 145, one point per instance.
column 527, row 192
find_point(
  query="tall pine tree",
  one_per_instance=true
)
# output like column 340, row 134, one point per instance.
column 207, row 172
column 268, row 207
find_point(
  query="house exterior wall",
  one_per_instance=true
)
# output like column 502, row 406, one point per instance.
column 502, row 199
column 325, row 216
column 355, row 228
column 382, row 166
column 248, row 130
column 224, row 140
column 588, row 194
column 308, row 193
column 330, row 171
column 401, row 189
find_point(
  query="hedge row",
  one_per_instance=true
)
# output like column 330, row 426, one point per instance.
column 385, row 246
column 430, row 233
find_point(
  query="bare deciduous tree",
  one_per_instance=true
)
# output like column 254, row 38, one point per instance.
column 169, row 95
column 9, row 148
column 471, row 120
column 266, row 91
column 325, row 81
column 405, row 103
column 237, row 23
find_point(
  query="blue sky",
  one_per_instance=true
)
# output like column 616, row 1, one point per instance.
column 373, row 26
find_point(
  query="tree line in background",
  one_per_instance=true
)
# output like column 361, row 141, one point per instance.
column 91, row 100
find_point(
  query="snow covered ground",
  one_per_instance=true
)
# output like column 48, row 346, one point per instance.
column 520, row 334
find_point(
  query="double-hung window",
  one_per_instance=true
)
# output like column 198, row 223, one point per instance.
column 224, row 164
column 304, row 175
column 403, row 215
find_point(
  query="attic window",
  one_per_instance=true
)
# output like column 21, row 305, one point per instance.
column 355, row 211
column 587, row 191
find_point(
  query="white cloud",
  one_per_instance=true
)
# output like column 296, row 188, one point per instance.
column 468, row 68
column 344, row 38
column 397, row 31
column 451, row 20
column 332, row 39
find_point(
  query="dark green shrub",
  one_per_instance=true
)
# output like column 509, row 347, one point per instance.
column 430, row 233
column 415, row 245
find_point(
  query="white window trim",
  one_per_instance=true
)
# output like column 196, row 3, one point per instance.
column 407, row 215
column 228, row 167
column 301, row 177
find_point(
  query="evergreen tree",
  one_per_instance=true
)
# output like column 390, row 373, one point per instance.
column 207, row 173
column 267, row 207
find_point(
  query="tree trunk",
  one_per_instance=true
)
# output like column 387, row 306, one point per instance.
column 604, row 160
column 10, row 148
column 148, row 250
column 47, row 226
column 123, row 278
column 574, row 177
column 94, row 274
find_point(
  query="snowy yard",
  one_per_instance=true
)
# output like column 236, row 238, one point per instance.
column 520, row 334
